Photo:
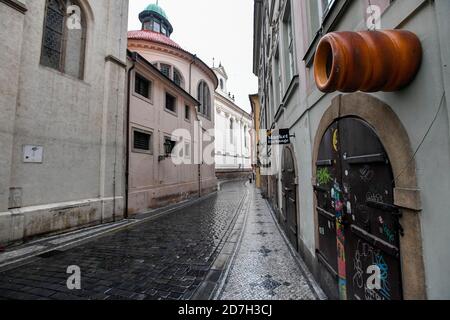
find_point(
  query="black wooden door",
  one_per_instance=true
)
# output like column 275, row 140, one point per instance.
column 355, row 190
column 289, row 191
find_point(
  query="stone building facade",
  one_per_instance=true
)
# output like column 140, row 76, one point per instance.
column 233, row 130
column 371, row 170
column 170, row 90
column 256, row 137
column 62, row 95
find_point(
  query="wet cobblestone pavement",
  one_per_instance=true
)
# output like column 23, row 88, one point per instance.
column 264, row 268
column 166, row 258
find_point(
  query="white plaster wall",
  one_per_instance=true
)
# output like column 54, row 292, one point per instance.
column 79, row 123
column 232, row 155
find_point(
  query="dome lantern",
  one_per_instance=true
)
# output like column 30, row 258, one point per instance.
column 155, row 19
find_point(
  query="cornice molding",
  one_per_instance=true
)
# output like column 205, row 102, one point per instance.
column 177, row 52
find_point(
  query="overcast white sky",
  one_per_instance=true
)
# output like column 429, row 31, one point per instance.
column 213, row 29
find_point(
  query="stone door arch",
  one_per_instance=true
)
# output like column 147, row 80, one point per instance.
column 395, row 141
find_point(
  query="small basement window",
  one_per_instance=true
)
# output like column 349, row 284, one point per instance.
column 171, row 103
column 142, row 141
column 142, row 86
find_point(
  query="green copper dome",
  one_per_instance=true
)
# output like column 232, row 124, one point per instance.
column 155, row 8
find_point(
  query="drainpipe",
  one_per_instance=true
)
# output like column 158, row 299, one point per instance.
column 127, row 143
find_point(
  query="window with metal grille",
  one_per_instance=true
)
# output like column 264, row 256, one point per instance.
column 171, row 103
column 142, row 141
column 165, row 69
column 177, row 78
column 142, row 86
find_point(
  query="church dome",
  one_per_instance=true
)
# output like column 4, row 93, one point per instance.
column 157, row 9
column 148, row 35
column 155, row 19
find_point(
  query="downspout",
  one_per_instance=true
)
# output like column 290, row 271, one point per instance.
column 127, row 143
column 199, row 168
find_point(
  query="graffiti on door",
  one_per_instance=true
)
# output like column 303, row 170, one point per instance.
column 355, row 194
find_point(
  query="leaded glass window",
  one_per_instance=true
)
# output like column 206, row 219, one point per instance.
column 63, row 38
column 53, row 34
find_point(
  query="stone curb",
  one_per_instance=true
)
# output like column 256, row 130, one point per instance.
column 315, row 288
column 240, row 235
column 217, row 275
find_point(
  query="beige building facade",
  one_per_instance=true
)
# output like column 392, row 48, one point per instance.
column 171, row 109
column 61, row 105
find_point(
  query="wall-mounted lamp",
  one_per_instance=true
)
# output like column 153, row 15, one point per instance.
column 168, row 147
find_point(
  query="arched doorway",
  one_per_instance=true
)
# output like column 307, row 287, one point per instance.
column 288, row 218
column 358, row 223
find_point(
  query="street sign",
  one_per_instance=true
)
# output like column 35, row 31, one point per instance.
column 278, row 137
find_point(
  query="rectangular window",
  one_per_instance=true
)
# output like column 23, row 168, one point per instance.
column 187, row 149
column 142, row 141
column 171, row 103
column 291, row 47
column 187, row 113
column 245, row 138
column 278, row 81
column 142, row 86
column 288, row 45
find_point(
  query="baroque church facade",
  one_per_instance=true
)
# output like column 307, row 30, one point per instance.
column 233, row 126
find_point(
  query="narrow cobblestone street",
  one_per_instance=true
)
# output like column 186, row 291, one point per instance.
column 169, row 258
column 166, row 258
